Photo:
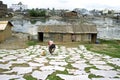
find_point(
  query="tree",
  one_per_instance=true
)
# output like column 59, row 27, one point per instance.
column 109, row 12
column 37, row 13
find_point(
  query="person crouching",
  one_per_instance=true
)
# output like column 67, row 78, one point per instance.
column 51, row 47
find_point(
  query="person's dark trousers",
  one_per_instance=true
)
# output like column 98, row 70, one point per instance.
column 52, row 48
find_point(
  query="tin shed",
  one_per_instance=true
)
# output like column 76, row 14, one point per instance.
column 69, row 33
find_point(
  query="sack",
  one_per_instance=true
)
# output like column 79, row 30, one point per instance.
column 43, row 53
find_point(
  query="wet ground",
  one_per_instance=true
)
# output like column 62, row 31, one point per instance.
column 36, row 61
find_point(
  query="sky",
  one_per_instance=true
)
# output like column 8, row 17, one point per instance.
column 68, row 4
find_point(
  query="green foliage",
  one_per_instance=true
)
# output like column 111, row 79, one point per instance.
column 37, row 13
column 87, row 69
column 88, row 46
column 31, row 43
column 113, row 65
column 112, row 48
column 109, row 12
column 69, row 66
column 54, row 77
column 94, row 76
column 108, row 41
column 67, row 59
column 29, row 77
column 19, row 65
column 3, row 70
column 33, row 21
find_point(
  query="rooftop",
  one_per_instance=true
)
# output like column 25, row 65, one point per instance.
column 85, row 28
column 3, row 24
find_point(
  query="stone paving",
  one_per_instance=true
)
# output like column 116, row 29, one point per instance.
column 86, row 65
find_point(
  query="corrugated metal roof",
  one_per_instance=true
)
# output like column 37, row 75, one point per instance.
column 85, row 28
column 55, row 28
column 3, row 24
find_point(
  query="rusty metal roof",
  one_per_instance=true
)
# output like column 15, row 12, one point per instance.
column 3, row 24
column 85, row 28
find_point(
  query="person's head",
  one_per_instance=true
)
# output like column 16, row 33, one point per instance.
column 50, row 42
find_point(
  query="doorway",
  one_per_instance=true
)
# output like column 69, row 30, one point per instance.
column 94, row 37
column 40, row 36
column 73, row 37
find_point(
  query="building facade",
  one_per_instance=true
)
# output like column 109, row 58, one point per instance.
column 67, row 33
column 5, row 30
column 19, row 6
column 70, row 14
column 3, row 9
